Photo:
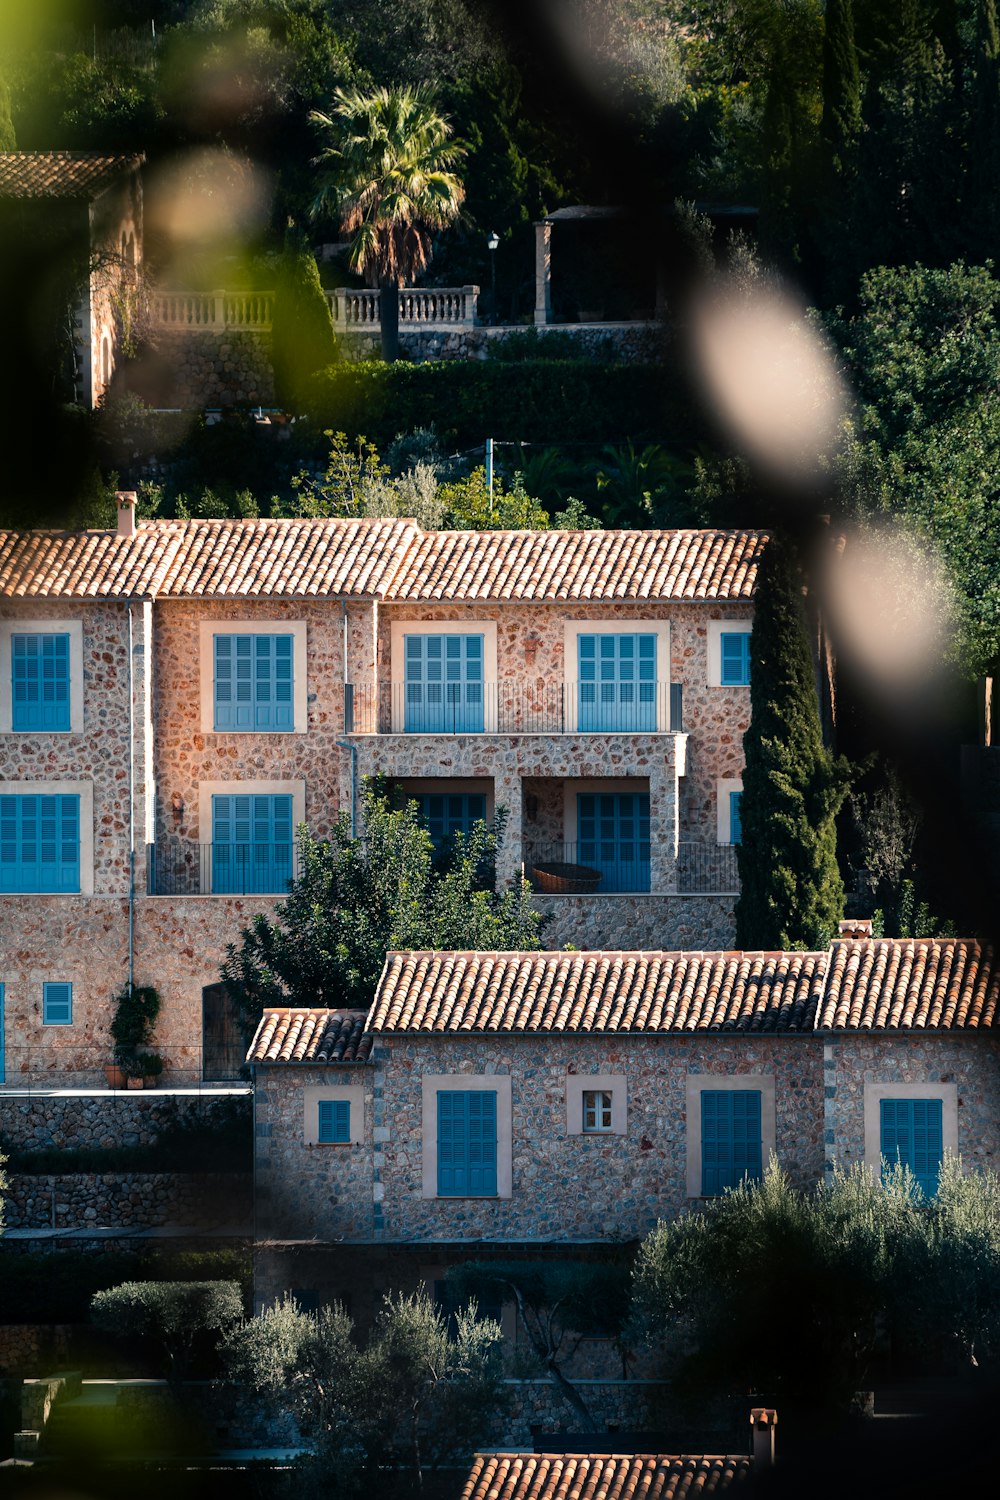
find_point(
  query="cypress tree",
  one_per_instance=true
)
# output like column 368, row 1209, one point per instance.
column 841, row 122
column 8, row 141
column 982, row 212
column 302, row 337
column 792, row 895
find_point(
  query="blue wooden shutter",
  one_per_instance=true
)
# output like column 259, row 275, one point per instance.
column 448, row 813
column 444, row 692
column 40, row 681
column 912, row 1132
column 617, row 682
column 735, row 648
column 730, row 1138
column 467, row 1143
column 40, row 844
column 334, row 1121
column 251, row 844
column 735, row 820
column 254, row 683
column 613, row 837
column 57, row 1004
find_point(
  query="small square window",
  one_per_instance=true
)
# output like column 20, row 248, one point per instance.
column 57, row 1005
column 735, row 658
column 596, row 1111
column 334, row 1127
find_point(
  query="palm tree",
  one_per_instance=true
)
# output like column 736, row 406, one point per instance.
column 387, row 174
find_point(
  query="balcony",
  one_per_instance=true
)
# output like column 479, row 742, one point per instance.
column 514, row 708
column 597, row 868
column 177, row 867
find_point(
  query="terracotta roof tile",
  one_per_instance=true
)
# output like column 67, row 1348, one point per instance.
column 206, row 559
column 311, row 1036
column 580, row 565
column 929, row 984
column 601, row 1476
column 598, row 992
column 61, row 174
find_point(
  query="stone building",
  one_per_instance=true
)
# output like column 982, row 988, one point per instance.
column 525, row 1100
column 80, row 213
column 176, row 698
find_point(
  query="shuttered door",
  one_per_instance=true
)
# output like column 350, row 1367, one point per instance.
column 253, row 683
column 613, row 837
column 617, row 682
column 467, row 1143
column 251, row 844
column 730, row 1138
column 40, row 681
column 223, row 1047
column 443, row 687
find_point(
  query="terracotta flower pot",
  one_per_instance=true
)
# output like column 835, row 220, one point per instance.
column 115, row 1077
column 135, row 1083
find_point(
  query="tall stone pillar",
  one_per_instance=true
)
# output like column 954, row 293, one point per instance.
column 543, row 271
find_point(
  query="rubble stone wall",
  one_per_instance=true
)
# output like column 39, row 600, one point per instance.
column 129, row 1200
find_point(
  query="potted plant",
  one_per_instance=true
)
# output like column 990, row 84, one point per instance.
column 148, row 1066
column 136, row 1009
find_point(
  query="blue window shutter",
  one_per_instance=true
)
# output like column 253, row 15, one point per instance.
column 254, row 683
column 731, row 1146
column 467, row 1143
column 39, row 844
column 912, row 1133
column 612, row 830
column 334, row 1121
column 616, row 689
column 57, row 1004
column 443, row 688
column 735, row 663
column 40, row 681
column 252, row 843
column 735, row 820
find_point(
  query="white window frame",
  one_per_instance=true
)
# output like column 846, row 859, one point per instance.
column 572, row 629
column 399, row 629
column 72, row 628
column 85, row 791
column 716, row 630
column 315, row 1094
column 209, row 789
column 578, row 1084
column 876, row 1092
column 209, row 629
column 723, row 824
column 698, row 1082
column 498, row 1083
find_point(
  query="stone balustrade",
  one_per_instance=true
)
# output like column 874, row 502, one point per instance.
column 251, row 312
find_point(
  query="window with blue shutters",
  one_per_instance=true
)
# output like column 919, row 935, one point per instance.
column 735, row 821
column 334, row 1122
column 443, row 687
column 57, row 1004
column 448, row 813
column 39, row 844
column 730, row 1138
column 735, row 665
column 612, row 830
column 39, row 669
column 912, row 1133
column 254, row 683
column 252, row 845
column 466, row 1143
column 616, row 689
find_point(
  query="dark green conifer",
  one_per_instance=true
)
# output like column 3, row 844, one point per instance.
column 792, row 895
column 302, row 337
column 841, row 123
column 8, row 141
column 982, row 206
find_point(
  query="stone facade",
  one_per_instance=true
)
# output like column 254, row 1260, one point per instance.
column 129, row 1200
column 86, row 1121
column 674, row 921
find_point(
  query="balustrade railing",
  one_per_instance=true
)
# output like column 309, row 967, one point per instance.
column 177, row 867
column 707, row 868
column 251, row 312
column 514, row 708
column 586, row 868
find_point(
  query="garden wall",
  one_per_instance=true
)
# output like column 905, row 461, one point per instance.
column 96, row 1121
column 130, row 1200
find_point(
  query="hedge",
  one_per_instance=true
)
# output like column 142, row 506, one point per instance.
column 56, row 1286
column 536, row 401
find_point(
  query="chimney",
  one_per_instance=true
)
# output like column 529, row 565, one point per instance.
column 763, row 1421
column 857, row 928
column 126, row 512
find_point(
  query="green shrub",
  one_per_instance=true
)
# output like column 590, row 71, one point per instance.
column 302, row 337
column 56, row 1286
column 176, row 1315
column 538, row 401
column 515, row 348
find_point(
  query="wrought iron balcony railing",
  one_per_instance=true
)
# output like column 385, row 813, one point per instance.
column 177, row 867
column 594, row 868
column 515, row 708
column 709, row 868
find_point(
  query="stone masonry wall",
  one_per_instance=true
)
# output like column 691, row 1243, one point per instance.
column 674, row 921
column 89, row 1121
column 129, row 1200
column 564, row 1187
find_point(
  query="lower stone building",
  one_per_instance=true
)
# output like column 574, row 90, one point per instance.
column 506, row 1102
